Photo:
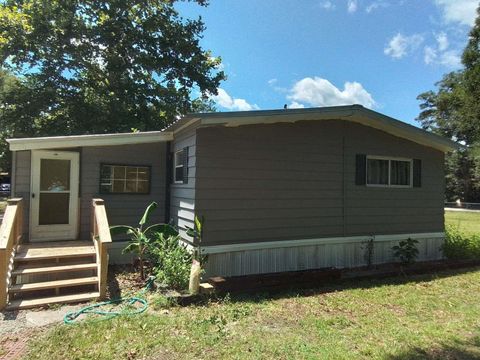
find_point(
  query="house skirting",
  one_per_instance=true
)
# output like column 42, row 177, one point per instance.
column 338, row 252
column 301, row 254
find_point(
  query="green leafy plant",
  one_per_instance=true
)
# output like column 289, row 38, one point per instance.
column 173, row 261
column 369, row 250
column 197, row 234
column 141, row 237
column 459, row 245
column 406, row 251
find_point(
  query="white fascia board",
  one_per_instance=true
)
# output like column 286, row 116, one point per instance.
column 219, row 249
column 58, row 142
column 187, row 124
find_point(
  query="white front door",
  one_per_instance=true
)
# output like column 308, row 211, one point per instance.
column 54, row 195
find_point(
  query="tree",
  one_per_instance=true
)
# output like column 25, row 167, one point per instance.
column 453, row 110
column 97, row 66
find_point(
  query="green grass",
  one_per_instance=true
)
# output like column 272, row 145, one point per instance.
column 467, row 222
column 428, row 316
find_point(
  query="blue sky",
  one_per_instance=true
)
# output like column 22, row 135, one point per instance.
column 305, row 53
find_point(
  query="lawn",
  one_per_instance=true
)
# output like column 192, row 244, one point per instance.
column 427, row 316
column 468, row 222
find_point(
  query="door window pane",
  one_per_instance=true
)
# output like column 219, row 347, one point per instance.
column 377, row 172
column 54, row 175
column 54, row 208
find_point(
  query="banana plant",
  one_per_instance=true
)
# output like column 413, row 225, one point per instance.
column 197, row 234
column 141, row 238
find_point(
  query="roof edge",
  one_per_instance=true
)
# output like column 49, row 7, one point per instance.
column 355, row 113
column 58, row 142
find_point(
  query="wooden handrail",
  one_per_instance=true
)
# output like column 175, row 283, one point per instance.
column 101, row 238
column 11, row 232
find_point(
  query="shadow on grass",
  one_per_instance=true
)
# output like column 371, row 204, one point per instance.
column 459, row 351
column 342, row 285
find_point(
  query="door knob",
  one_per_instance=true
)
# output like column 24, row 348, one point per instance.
column 33, row 195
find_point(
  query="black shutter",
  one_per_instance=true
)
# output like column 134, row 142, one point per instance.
column 185, row 165
column 417, row 173
column 361, row 169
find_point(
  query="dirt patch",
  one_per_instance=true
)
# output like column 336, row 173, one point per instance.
column 14, row 346
column 123, row 280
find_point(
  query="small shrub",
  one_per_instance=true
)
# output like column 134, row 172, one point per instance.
column 173, row 261
column 369, row 250
column 459, row 245
column 406, row 251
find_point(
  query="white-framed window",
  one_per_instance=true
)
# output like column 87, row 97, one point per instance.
column 389, row 172
column 178, row 172
column 124, row 179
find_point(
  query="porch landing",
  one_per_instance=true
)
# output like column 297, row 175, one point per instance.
column 53, row 272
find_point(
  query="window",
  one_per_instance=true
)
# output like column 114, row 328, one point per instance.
column 178, row 172
column 389, row 172
column 124, row 179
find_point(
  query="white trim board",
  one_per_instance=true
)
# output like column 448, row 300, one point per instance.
column 218, row 249
column 58, row 142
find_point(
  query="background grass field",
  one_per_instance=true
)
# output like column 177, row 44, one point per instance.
column 468, row 222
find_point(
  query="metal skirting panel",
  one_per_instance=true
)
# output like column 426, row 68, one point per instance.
column 116, row 255
column 338, row 255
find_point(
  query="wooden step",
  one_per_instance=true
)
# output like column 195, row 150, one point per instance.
column 31, row 303
column 48, row 251
column 34, row 270
column 53, row 284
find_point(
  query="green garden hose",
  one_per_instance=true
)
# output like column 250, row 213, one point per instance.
column 72, row 316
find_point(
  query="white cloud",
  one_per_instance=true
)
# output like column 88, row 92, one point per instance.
column 272, row 81
column 442, row 41
column 458, row 11
column 321, row 92
column 295, row 105
column 450, row 58
column 327, row 5
column 441, row 54
column 226, row 101
column 401, row 45
column 352, row 6
column 429, row 55
column 376, row 5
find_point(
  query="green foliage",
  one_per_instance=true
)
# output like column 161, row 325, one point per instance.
column 172, row 261
column 406, row 251
column 453, row 110
column 142, row 240
column 430, row 316
column 102, row 66
column 160, row 301
column 459, row 245
column 369, row 250
column 197, row 234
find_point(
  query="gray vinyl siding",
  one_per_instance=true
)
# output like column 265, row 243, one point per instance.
column 122, row 208
column 182, row 196
column 294, row 181
column 21, row 182
column 373, row 210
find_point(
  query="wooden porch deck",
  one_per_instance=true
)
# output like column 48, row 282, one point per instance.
column 38, row 274
column 53, row 272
